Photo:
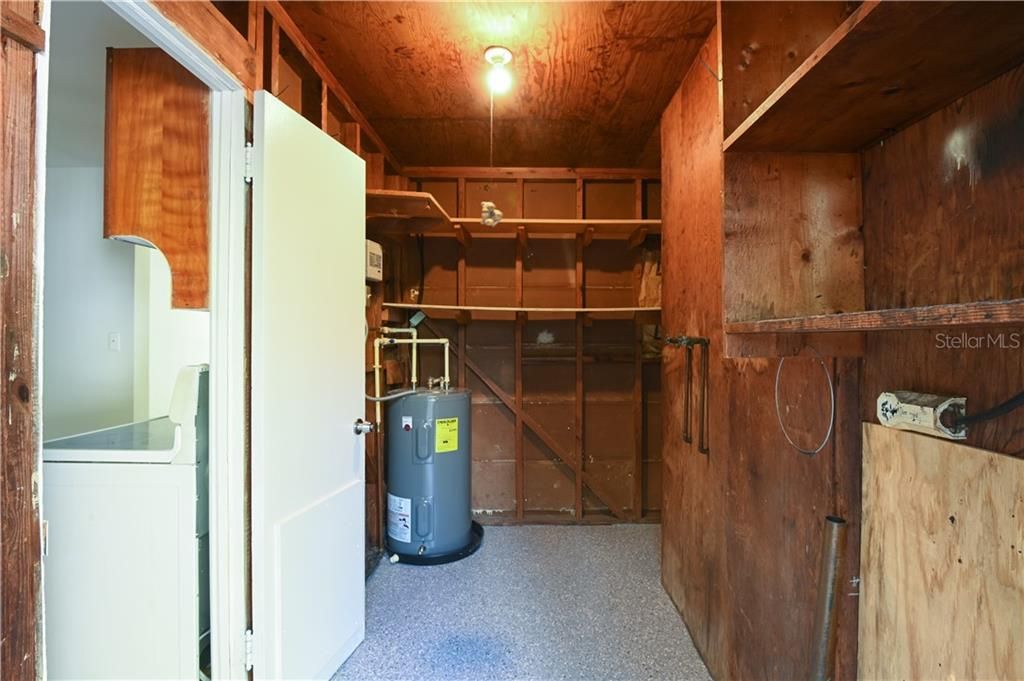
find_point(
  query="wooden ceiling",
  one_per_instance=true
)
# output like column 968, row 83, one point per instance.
column 590, row 78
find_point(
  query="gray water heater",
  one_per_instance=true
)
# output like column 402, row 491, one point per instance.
column 429, row 517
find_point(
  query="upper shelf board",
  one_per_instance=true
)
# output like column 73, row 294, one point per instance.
column 509, row 313
column 888, row 65
column 402, row 213
column 413, row 210
column 983, row 313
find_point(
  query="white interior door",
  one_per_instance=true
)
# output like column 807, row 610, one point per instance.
column 308, row 255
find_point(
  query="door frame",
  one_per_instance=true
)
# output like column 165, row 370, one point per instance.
column 229, row 611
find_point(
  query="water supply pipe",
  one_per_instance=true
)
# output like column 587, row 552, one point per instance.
column 414, row 342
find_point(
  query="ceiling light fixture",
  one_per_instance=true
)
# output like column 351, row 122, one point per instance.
column 499, row 80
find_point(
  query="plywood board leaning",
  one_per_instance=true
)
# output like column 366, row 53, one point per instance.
column 942, row 560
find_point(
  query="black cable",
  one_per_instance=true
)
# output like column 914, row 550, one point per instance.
column 1006, row 407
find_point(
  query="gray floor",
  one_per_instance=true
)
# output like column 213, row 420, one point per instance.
column 534, row 603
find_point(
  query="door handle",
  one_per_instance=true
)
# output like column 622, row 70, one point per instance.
column 362, row 427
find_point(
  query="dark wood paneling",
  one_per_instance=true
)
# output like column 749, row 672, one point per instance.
column 942, row 204
column 692, row 516
column 20, row 556
column 742, row 525
column 156, row 172
column 942, row 225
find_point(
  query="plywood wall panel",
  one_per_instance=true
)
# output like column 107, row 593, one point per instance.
column 609, row 200
column 741, row 525
column 941, row 224
column 942, row 564
column 942, row 203
column 692, row 566
column 806, row 207
column 445, row 191
column 549, row 200
column 505, row 194
column 763, row 43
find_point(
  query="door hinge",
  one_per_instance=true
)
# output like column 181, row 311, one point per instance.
column 46, row 538
column 248, row 650
column 248, row 162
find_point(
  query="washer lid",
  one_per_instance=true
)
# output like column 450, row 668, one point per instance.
column 154, row 441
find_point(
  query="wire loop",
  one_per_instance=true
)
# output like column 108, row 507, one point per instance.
column 832, row 408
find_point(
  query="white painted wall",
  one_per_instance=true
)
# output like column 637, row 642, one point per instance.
column 87, row 294
column 93, row 287
column 166, row 339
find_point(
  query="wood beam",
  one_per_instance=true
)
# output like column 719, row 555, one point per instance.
column 21, row 29
column 578, row 416
column 463, row 236
column 20, row 549
column 215, row 34
column 520, row 321
column 637, row 237
column 530, row 173
column 310, row 54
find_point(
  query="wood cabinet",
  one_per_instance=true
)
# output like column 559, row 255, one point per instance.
column 157, row 165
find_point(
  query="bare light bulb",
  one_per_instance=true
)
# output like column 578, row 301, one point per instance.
column 499, row 80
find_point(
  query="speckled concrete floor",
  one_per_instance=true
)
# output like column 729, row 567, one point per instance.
column 535, row 602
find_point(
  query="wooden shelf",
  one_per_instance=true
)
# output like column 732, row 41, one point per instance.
column 992, row 313
column 468, row 312
column 391, row 210
column 402, row 213
column 888, row 65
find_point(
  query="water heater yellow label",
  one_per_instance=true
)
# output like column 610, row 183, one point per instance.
column 446, row 435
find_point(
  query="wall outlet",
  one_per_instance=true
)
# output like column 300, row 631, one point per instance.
column 114, row 341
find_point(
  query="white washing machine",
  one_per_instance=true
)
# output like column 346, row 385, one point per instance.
column 126, row 568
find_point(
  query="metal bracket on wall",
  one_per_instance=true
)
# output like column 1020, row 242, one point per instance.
column 688, row 343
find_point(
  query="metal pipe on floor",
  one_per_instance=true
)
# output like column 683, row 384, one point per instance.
column 832, row 548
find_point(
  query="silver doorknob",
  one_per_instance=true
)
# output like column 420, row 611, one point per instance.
column 362, row 427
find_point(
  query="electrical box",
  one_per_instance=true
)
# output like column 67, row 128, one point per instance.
column 922, row 413
column 374, row 261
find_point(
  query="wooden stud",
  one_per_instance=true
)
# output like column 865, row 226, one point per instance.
column 282, row 18
column 635, row 241
column 579, row 415
column 351, row 137
column 275, row 59
column 522, row 237
column 460, row 203
column 257, row 31
column 20, row 550
column 374, row 170
column 520, row 321
column 324, row 109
